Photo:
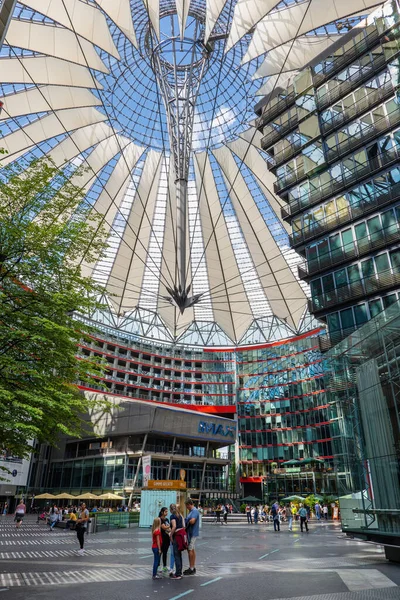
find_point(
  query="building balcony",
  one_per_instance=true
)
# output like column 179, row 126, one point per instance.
column 358, row 108
column 347, row 57
column 360, row 138
column 362, row 247
column 331, row 188
column 291, row 179
column 352, row 292
column 272, row 110
column 273, row 136
column 319, row 228
column 345, row 87
column 285, row 154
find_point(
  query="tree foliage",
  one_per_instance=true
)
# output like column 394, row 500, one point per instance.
column 46, row 229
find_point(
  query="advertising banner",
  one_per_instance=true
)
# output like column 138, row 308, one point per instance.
column 146, row 464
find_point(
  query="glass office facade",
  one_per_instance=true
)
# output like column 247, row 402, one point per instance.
column 284, row 414
column 364, row 381
column 333, row 138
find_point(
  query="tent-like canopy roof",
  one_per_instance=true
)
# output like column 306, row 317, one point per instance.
column 78, row 83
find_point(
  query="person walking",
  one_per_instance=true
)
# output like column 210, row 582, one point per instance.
column 53, row 517
column 20, row 512
column 289, row 516
column 5, row 509
column 317, row 509
column 308, row 509
column 256, row 515
column 81, row 526
column 165, row 539
column 193, row 532
column 225, row 512
column 248, row 514
column 176, row 522
column 325, row 511
column 275, row 516
column 156, row 545
column 303, row 518
column 218, row 512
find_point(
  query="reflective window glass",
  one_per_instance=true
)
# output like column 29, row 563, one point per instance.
column 375, row 307
column 360, row 314
column 347, row 318
column 367, row 268
column 382, row 263
column 353, row 273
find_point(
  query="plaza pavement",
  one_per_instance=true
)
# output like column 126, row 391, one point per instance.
column 235, row 562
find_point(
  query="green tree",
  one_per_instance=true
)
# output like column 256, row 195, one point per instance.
column 46, row 229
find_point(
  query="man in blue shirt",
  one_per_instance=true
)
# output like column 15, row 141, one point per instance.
column 303, row 518
column 192, row 531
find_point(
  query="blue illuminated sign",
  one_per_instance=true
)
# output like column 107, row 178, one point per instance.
column 213, row 429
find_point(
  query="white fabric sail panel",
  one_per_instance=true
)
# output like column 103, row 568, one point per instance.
column 213, row 10
column 294, row 55
column 57, row 123
column 45, row 98
column 153, row 9
column 113, row 192
column 286, row 298
column 46, row 70
column 227, row 295
column 279, row 27
column 120, row 12
column 247, row 13
column 126, row 276
column 97, row 159
column 182, row 9
column 78, row 141
column 83, row 19
column 247, row 151
column 54, row 41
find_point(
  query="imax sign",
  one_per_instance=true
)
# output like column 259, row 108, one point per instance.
column 213, row 429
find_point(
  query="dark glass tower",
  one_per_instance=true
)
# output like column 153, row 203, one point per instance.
column 333, row 136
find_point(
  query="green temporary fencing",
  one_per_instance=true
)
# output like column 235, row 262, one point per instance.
column 119, row 520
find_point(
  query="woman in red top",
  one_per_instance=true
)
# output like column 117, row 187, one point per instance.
column 156, row 546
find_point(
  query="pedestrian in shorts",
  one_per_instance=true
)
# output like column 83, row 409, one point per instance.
column 192, row 531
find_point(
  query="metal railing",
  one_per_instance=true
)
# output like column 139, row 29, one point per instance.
column 347, row 57
column 294, row 177
column 287, row 153
column 360, row 248
column 273, row 136
column 346, row 216
column 272, row 111
column 353, row 291
column 350, row 112
column 380, row 126
column 352, row 82
column 362, row 171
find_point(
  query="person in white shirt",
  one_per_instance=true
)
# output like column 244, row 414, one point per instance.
column 19, row 514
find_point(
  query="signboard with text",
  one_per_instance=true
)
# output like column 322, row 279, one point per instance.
column 166, row 484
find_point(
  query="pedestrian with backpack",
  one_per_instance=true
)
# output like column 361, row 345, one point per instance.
column 179, row 539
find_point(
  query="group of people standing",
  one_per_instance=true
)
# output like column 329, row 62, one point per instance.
column 178, row 534
column 277, row 514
